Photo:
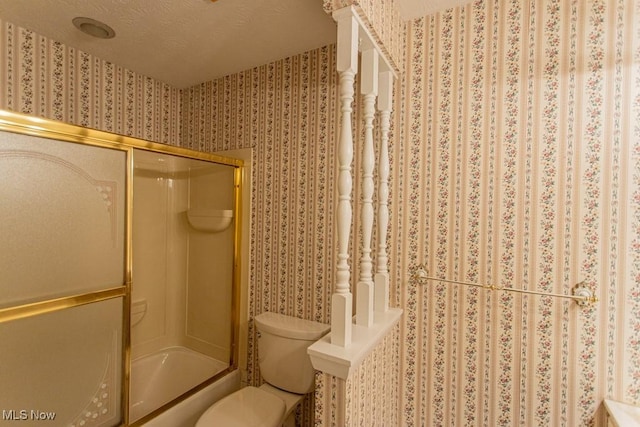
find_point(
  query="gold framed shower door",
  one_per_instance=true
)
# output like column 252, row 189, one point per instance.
column 22, row 124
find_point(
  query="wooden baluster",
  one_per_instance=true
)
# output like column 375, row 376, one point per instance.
column 347, row 66
column 382, row 272
column 369, row 89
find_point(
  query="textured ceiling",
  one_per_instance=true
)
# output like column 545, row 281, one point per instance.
column 187, row 42
column 182, row 42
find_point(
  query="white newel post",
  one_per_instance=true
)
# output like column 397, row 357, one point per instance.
column 382, row 273
column 347, row 65
column 369, row 90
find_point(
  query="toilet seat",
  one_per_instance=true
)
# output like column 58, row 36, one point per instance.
column 249, row 406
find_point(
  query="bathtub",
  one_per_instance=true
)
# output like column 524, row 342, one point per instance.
column 158, row 378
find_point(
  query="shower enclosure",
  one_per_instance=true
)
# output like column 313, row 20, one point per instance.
column 182, row 268
column 119, row 262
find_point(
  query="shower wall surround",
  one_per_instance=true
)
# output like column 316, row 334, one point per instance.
column 514, row 160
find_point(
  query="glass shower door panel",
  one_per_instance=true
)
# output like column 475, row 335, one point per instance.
column 62, row 216
column 210, row 262
column 63, row 368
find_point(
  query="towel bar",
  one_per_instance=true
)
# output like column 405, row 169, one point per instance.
column 581, row 294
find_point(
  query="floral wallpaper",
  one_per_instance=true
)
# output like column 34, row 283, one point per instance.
column 369, row 397
column 515, row 161
column 48, row 79
column 282, row 111
column 287, row 112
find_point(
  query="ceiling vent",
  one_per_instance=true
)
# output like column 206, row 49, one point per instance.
column 94, row 28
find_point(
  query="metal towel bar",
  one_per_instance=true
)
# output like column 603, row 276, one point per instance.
column 581, row 294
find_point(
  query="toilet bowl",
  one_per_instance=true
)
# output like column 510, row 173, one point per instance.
column 286, row 368
column 249, row 406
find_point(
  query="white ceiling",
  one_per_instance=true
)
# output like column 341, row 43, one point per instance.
column 187, row 42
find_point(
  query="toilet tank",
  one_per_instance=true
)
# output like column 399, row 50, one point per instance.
column 282, row 350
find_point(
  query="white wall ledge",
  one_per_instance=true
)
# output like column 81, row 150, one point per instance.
column 341, row 361
column 622, row 414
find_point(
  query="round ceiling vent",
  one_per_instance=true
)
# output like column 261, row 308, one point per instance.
column 94, row 28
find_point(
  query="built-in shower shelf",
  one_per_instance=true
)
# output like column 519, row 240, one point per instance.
column 210, row 220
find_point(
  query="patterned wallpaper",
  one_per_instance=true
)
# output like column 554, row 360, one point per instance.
column 48, row 79
column 369, row 397
column 287, row 112
column 282, row 111
column 517, row 162
column 514, row 161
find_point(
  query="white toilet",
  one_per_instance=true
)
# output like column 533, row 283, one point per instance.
column 286, row 368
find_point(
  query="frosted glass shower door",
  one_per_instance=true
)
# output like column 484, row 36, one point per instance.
column 61, row 218
column 63, row 367
column 62, row 282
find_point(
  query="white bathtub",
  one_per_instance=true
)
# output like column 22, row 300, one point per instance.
column 158, row 378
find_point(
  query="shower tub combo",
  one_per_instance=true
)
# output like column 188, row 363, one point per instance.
column 157, row 379
column 119, row 292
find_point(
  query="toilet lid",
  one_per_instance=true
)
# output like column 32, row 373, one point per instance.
column 249, row 406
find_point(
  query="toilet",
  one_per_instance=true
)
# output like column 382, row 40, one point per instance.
column 286, row 368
